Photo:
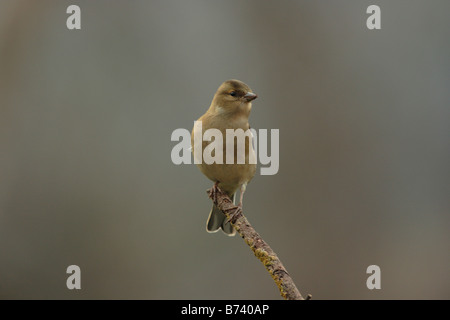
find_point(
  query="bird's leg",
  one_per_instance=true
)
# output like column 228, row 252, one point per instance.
column 241, row 196
column 237, row 210
column 214, row 190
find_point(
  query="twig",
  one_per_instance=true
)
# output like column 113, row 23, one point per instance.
column 260, row 248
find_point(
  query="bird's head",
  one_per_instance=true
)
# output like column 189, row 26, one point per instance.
column 233, row 96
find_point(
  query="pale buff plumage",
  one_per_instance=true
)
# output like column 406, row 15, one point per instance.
column 229, row 109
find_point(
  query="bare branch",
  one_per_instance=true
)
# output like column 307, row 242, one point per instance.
column 260, row 248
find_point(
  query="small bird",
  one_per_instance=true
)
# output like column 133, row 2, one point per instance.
column 229, row 109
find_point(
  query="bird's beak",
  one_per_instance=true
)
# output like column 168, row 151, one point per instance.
column 249, row 96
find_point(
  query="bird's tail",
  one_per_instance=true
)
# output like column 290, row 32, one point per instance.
column 217, row 220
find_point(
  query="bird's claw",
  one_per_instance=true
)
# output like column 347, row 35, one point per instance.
column 213, row 192
column 234, row 214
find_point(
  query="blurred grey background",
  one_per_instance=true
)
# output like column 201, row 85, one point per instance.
column 86, row 176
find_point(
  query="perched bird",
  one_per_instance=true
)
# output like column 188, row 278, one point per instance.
column 229, row 109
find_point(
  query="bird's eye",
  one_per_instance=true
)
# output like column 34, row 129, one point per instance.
column 233, row 93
